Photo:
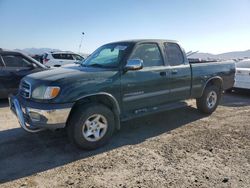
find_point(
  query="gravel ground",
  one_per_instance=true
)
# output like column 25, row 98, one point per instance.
column 179, row 148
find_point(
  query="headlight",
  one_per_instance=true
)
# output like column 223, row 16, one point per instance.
column 44, row 92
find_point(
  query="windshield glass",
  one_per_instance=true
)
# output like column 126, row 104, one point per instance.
column 107, row 56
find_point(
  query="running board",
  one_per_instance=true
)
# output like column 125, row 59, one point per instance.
column 156, row 109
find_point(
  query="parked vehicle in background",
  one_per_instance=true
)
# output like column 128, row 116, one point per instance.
column 119, row 81
column 57, row 59
column 37, row 57
column 13, row 67
column 242, row 76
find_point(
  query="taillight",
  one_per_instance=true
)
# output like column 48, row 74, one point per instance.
column 45, row 60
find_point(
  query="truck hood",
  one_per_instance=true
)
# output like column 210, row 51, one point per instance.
column 75, row 81
column 75, row 73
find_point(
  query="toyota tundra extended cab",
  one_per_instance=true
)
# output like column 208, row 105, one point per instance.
column 117, row 82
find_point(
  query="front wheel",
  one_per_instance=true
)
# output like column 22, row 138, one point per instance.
column 91, row 126
column 209, row 100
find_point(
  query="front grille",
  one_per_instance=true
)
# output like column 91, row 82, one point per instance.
column 25, row 89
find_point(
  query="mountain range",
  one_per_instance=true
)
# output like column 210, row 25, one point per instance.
column 36, row 51
column 40, row 51
column 228, row 55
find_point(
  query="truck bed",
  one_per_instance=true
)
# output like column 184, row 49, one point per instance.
column 202, row 72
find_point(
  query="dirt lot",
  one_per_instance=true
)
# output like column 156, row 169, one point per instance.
column 180, row 148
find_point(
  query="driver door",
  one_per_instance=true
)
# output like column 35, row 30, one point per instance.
column 148, row 87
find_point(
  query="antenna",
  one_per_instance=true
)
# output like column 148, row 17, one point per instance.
column 81, row 42
column 191, row 53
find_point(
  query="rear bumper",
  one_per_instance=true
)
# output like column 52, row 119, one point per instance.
column 33, row 116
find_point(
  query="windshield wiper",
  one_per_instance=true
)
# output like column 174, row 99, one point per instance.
column 96, row 65
column 83, row 65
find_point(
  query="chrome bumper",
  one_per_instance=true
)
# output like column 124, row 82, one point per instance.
column 34, row 119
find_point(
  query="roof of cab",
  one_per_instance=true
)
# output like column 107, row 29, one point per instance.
column 145, row 40
column 4, row 51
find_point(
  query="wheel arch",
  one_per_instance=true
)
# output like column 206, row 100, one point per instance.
column 216, row 80
column 102, row 98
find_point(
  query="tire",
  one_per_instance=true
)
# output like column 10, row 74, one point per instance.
column 209, row 100
column 84, row 123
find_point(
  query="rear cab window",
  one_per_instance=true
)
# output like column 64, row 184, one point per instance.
column 174, row 54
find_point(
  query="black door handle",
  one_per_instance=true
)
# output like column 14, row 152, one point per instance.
column 174, row 71
column 163, row 73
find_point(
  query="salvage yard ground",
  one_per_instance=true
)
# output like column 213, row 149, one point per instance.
column 179, row 148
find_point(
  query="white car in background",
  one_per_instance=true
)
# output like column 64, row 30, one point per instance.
column 242, row 75
column 58, row 59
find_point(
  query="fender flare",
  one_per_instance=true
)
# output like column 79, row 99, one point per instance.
column 116, row 110
column 210, row 79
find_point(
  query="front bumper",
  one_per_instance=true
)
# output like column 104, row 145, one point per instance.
column 34, row 117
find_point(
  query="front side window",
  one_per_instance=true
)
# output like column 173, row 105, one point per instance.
column 56, row 56
column 149, row 54
column 16, row 61
column 174, row 54
column 108, row 56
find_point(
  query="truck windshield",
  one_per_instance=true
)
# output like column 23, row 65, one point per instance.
column 107, row 56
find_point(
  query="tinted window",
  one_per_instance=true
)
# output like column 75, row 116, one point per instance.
column 149, row 53
column 56, row 56
column 174, row 54
column 77, row 57
column 63, row 56
column 16, row 61
column 243, row 64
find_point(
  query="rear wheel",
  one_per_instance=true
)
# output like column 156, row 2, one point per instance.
column 209, row 100
column 91, row 126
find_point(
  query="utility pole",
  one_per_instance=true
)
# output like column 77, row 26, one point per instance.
column 81, row 41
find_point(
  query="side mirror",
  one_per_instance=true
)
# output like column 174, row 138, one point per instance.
column 134, row 64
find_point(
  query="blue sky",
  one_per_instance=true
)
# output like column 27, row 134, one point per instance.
column 213, row 26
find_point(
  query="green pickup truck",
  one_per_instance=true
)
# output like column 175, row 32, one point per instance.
column 117, row 82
